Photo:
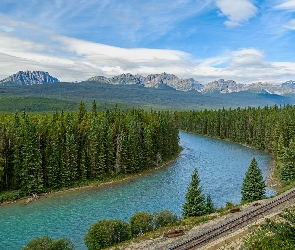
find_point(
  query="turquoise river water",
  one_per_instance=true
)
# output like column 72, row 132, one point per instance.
column 221, row 166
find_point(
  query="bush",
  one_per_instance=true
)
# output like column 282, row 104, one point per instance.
column 47, row 243
column 141, row 222
column 106, row 233
column 273, row 234
column 164, row 218
column 10, row 195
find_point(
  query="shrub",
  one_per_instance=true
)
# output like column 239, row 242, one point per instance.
column 273, row 234
column 141, row 222
column 164, row 218
column 106, row 233
column 10, row 195
column 47, row 243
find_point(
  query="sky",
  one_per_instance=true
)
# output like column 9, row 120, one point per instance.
column 242, row 40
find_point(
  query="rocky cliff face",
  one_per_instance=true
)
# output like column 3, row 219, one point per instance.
column 221, row 86
column 152, row 81
column 28, row 78
column 158, row 81
column 230, row 86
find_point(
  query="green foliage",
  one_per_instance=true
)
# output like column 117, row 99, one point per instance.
column 287, row 171
column 106, row 233
column 273, row 234
column 229, row 205
column 141, row 222
column 1, row 167
column 209, row 205
column 36, row 104
column 253, row 187
column 270, row 128
column 47, row 243
column 164, row 218
column 67, row 96
column 11, row 195
column 196, row 204
column 49, row 151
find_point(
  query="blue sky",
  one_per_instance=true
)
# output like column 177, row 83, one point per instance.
column 242, row 40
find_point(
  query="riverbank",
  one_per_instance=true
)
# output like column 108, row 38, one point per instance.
column 158, row 240
column 84, row 185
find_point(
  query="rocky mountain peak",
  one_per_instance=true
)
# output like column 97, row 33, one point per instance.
column 151, row 81
column 28, row 78
column 223, row 86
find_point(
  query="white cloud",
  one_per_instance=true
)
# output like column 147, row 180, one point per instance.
column 246, row 66
column 236, row 11
column 130, row 22
column 231, row 23
column 248, row 58
column 286, row 5
column 291, row 24
column 289, row 7
column 72, row 59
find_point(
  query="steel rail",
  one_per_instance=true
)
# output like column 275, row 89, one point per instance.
column 214, row 233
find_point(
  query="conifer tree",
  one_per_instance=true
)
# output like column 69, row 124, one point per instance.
column 253, row 187
column 209, row 205
column 195, row 199
column 287, row 172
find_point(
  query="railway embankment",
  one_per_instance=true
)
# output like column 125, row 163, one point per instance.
column 225, row 231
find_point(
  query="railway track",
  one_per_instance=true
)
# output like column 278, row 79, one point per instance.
column 239, row 222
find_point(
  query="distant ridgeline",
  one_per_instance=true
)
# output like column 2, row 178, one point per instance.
column 172, row 81
column 44, row 152
column 163, row 80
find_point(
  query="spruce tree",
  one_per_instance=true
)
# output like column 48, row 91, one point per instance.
column 253, row 187
column 195, row 199
column 287, row 172
column 209, row 205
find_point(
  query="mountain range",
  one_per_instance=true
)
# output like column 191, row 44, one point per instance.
column 221, row 86
column 163, row 80
column 28, row 78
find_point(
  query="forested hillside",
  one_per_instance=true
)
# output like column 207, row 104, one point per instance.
column 67, row 96
column 268, row 128
column 43, row 152
column 40, row 152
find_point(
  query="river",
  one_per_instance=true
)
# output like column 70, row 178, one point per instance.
column 221, row 166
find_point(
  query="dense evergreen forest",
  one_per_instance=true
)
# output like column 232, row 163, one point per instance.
column 40, row 152
column 269, row 128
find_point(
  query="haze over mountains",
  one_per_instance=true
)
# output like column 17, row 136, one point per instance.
column 163, row 80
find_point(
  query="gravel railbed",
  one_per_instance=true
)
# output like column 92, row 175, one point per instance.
column 166, row 243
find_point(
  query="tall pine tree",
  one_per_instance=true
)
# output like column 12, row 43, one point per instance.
column 287, row 172
column 253, row 187
column 196, row 204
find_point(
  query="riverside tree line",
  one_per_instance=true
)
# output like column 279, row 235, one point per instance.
column 52, row 151
column 41, row 152
column 270, row 128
